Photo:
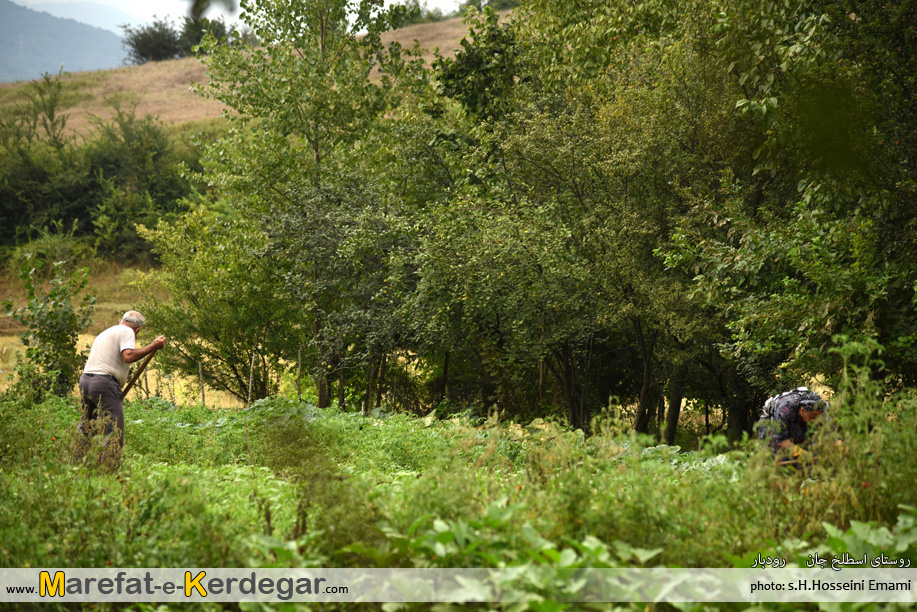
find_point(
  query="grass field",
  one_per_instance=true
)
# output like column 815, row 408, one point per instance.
column 163, row 89
column 286, row 484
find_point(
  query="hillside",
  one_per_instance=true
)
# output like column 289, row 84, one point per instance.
column 33, row 42
column 163, row 88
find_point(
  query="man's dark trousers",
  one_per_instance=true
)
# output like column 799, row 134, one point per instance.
column 103, row 413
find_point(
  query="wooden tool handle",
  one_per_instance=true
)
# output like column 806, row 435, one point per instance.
column 136, row 375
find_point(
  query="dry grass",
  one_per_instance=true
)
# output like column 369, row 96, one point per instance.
column 163, row 89
column 108, row 281
column 182, row 391
column 442, row 35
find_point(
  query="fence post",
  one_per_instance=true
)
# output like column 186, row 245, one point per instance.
column 200, row 373
column 299, row 376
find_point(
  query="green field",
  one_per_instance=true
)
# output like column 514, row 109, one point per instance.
column 283, row 483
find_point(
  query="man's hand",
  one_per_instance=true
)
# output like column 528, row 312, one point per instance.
column 132, row 355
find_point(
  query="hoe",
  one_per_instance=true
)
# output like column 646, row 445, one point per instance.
column 137, row 374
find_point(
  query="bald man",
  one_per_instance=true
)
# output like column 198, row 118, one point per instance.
column 103, row 377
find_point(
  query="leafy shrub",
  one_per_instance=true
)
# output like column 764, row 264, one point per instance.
column 334, row 489
column 162, row 432
column 193, row 31
column 161, row 40
column 154, row 42
column 53, row 244
column 226, row 310
column 53, row 322
column 69, row 516
column 115, row 218
column 417, row 12
column 127, row 170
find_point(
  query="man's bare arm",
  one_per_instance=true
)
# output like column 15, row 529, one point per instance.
column 132, row 355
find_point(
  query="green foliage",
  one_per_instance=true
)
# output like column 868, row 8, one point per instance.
column 36, row 162
column 154, row 42
column 294, row 142
column 115, row 218
column 52, row 244
column 813, row 248
column 193, row 32
column 225, row 311
column 654, row 201
column 483, row 72
column 418, row 12
column 53, row 321
column 161, row 40
column 873, row 540
column 127, row 171
column 327, row 488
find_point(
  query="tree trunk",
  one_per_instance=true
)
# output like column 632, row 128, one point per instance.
column 299, row 375
column 381, row 381
column 445, row 389
column 540, row 381
column 341, row 389
column 646, row 346
column 321, row 385
column 372, row 385
column 321, row 379
column 676, row 395
column 200, row 373
column 565, row 373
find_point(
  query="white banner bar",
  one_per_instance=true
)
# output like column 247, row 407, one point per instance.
column 525, row 583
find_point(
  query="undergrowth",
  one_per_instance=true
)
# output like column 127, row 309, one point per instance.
column 317, row 487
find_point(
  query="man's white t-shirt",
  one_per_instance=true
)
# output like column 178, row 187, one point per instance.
column 105, row 355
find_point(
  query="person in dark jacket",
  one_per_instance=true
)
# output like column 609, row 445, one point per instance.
column 785, row 418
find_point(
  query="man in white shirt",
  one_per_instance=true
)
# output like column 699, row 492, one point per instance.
column 103, row 377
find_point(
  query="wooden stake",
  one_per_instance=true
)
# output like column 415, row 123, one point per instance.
column 200, row 373
column 248, row 444
column 251, row 377
column 299, row 375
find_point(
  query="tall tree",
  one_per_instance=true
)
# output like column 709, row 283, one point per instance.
column 818, row 240
column 301, row 102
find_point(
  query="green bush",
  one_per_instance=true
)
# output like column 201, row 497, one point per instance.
column 227, row 311
column 52, row 244
column 127, row 170
column 53, row 322
column 154, row 42
column 330, row 502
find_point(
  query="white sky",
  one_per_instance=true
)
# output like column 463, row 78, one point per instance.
column 174, row 9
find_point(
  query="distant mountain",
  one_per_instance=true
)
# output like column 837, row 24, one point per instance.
column 91, row 13
column 32, row 43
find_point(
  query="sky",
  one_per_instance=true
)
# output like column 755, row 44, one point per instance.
column 145, row 10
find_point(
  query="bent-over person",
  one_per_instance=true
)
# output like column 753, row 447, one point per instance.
column 102, row 380
column 785, row 418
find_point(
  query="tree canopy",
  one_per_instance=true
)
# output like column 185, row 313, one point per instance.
column 647, row 202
